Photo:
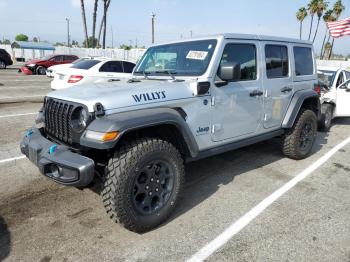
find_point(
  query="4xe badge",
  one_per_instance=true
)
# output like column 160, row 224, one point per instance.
column 202, row 130
column 145, row 97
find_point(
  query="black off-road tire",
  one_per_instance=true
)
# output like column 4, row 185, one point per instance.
column 291, row 144
column 325, row 122
column 2, row 65
column 40, row 70
column 122, row 173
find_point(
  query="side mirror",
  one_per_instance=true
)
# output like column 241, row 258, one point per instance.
column 230, row 72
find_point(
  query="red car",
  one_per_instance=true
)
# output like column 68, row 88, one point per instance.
column 39, row 66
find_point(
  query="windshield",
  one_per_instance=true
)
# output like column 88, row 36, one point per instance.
column 327, row 77
column 47, row 57
column 85, row 64
column 182, row 59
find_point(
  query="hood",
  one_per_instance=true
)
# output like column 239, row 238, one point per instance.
column 34, row 61
column 122, row 95
column 62, row 66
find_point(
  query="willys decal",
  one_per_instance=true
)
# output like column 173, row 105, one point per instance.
column 145, row 97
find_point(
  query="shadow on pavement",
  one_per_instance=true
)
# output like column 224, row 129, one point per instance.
column 5, row 239
column 204, row 177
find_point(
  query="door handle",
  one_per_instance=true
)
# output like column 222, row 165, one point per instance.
column 256, row 93
column 286, row 89
column 113, row 80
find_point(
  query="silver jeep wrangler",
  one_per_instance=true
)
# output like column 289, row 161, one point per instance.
column 185, row 101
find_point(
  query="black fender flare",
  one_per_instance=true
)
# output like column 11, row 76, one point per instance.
column 138, row 119
column 296, row 104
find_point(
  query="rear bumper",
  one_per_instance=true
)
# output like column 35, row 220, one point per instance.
column 57, row 162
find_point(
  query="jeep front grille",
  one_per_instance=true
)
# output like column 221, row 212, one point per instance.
column 57, row 119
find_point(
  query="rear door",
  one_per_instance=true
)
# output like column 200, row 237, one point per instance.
column 343, row 95
column 277, row 81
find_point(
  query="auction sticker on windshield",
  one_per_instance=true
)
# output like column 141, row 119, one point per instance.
column 197, row 55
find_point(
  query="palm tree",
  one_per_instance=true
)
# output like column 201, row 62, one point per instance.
column 338, row 9
column 321, row 7
column 301, row 14
column 327, row 17
column 94, row 14
column 82, row 4
column 102, row 23
column 312, row 8
column 105, row 23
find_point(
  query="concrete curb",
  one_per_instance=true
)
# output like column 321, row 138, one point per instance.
column 32, row 99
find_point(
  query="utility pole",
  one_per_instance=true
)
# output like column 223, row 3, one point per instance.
column 136, row 43
column 153, row 18
column 112, row 36
column 68, row 36
column 191, row 33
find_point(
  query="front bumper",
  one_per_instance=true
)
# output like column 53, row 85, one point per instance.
column 26, row 70
column 57, row 162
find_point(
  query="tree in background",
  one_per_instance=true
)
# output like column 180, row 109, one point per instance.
column 327, row 17
column 21, row 37
column 35, row 39
column 6, row 42
column 321, row 7
column 125, row 47
column 105, row 23
column 82, row 5
column 94, row 14
column 301, row 15
column 90, row 42
column 338, row 9
column 312, row 8
column 102, row 25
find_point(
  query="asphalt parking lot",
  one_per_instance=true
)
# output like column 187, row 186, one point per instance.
column 43, row 221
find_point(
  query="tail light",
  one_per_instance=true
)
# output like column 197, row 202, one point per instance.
column 74, row 79
column 317, row 89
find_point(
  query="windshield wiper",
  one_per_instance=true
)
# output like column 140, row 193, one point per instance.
column 145, row 73
column 170, row 73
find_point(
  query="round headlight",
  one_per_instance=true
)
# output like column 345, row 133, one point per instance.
column 79, row 119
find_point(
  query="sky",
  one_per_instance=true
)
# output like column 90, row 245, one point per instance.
column 130, row 20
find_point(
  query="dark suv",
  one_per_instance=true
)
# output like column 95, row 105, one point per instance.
column 5, row 59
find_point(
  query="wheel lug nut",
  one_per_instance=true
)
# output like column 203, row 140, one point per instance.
column 157, row 180
column 147, row 187
column 150, row 193
column 157, row 189
column 152, row 179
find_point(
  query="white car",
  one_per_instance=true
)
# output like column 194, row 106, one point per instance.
column 97, row 70
column 50, row 72
column 336, row 96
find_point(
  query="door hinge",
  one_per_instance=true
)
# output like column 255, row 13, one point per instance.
column 216, row 128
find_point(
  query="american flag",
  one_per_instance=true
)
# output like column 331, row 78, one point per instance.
column 339, row 28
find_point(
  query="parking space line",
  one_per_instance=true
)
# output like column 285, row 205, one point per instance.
column 11, row 159
column 14, row 115
column 243, row 221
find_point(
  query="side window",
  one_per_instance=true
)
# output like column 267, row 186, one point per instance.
column 112, row 66
column 340, row 79
column 276, row 57
column 303, row 61
column 347, row 75
column 245, row 56
column 58, row 58
column 128, row 67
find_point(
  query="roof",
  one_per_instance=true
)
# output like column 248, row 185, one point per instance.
column 243, row 37
column 33, row 45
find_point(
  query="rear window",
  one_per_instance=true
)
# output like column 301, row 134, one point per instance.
column 85, row 64
column 304, row 64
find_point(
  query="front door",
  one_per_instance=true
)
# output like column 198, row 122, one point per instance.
column 238, row 106
column 343, row 96
column 277, row 81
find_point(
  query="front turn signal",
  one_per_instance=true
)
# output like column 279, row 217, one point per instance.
column 100, row 136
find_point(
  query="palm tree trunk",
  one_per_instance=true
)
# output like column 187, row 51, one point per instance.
column 105, row 23
column 94, row 24
column 102, row 24
column 324, row 51
column 318, row 23
column 323, row 43
column 312, row 21
column 330, row 52
column 301, row 29
column 84, row 22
